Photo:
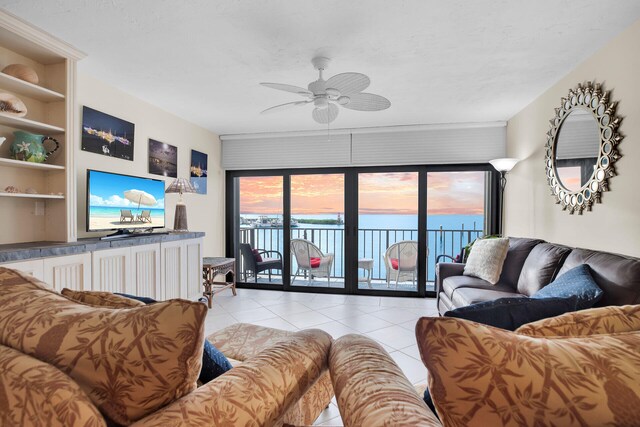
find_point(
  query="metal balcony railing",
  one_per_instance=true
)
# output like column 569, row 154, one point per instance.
column 372, row 243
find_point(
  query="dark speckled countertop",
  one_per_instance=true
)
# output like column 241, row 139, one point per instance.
column 25, row 251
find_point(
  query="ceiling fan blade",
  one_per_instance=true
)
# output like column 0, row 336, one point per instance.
column 284, row 106
column 367, row 102
column 349, row 83
column 288, row 88
column 325, row 115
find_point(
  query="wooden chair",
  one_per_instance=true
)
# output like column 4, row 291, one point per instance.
column 144, row 216
column 126, row 215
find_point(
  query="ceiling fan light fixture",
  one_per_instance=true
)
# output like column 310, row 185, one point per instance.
column 321, row 102
column 343, row 100
column 332, row 92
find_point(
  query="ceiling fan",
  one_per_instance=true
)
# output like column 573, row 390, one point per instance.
column 343, row 89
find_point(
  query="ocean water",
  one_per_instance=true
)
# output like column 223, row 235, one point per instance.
column 446, row 234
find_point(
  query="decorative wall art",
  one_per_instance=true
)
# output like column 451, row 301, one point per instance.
column 199, row 171
column 163, row 159
column 107, row 135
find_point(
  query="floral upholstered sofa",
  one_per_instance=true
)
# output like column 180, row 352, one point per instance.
column 65, row 363
column 577, row 369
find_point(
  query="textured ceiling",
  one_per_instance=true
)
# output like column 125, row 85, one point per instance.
column 437, row 61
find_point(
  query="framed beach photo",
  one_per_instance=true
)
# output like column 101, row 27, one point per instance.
column 163, row 159
column 198, row 171
column 106, row 135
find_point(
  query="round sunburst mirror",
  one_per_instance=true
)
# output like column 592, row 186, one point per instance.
column 581, row 148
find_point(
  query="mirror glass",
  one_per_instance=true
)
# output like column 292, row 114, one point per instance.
column 577, row 149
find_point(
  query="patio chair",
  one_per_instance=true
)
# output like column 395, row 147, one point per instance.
column 252, row 261
column 126, row 215
column 401, row 261
column 311, row 260
column 144, row 216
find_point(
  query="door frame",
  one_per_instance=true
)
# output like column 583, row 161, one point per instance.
column 232, row 204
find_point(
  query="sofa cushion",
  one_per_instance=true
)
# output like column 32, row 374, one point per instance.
column 617, row 275
column 486, row 259
column 467, row 296
column 130, row 362
column 541, row 267
column 38, row 394
column 101, row 299
column 484, row 376
column 451, row 284
column 511, row 313
column 519, row 249
column 145, row 300
column 602, row 320
column 575, row 282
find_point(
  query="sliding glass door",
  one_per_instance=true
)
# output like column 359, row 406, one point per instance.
column 373, row 231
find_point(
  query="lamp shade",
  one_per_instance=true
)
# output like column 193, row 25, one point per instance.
column 503, row 165
column 180, row 185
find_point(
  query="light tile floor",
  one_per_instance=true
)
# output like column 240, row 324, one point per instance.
column 388, row 320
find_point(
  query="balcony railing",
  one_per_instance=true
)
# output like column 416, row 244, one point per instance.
column 372, row 243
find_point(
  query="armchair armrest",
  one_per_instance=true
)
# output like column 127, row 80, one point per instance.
column 447, row 269
column 264, row 251
column 258, row 393
column 371, row 389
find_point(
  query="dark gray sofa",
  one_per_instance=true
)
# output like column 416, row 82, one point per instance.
column 532, row 264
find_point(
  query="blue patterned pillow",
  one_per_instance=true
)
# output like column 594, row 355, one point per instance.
column 575, row 282
column 214, row 363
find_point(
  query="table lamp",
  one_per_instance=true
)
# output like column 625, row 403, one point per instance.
column 180, row 185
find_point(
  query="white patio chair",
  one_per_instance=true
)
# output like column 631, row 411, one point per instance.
column 311, row 260
column 401, row 261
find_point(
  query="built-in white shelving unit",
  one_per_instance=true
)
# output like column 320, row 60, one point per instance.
column 51, row 111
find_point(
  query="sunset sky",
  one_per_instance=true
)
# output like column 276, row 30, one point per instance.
column 379, row 193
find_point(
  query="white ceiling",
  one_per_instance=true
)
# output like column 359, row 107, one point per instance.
column 437, row 61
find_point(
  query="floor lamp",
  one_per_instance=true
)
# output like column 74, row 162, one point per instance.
column 180, row 185
column 503, row 166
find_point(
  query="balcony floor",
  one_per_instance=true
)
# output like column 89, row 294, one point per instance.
column 338, row 283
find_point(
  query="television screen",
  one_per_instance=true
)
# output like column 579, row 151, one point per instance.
column 117, row 201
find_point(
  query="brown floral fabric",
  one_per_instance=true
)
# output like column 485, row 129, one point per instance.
column 37, row 394
column 243, row 341
column 130, row 362
column 371, row 389
column 256, row 393
column 101, row 299
column 9, row 276
column 483, row 376
column 602, row 320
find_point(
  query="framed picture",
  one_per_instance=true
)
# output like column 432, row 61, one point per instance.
column 106, row 135
column 199, row 171
column 163, row 159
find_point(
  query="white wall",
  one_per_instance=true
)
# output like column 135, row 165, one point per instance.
column 205, row 212
column 614, row 225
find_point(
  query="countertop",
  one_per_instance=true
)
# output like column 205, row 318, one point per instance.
column 31, row 250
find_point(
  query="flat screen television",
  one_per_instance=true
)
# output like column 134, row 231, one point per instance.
column 123, row 202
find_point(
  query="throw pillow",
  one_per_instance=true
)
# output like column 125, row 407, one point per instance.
column 484, row 376
column 578, row 282
column 256, row 255
column 129, row 362
column 601, row 320
column 486, row 259
column 214, row 363
column 101, row 299
column 511, row 313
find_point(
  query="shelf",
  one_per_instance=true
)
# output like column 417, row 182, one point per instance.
column 21, row 87
column 31, row 196
column 29, row 165
column 26, row 124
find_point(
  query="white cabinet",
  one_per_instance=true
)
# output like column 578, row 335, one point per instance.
column 145, row 270
column 111, row 270
column 161, row 271
column 69, row 271
column 34, row 267
column 181, row 275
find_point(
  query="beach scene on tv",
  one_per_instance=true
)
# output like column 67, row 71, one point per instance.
column 121, row 201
